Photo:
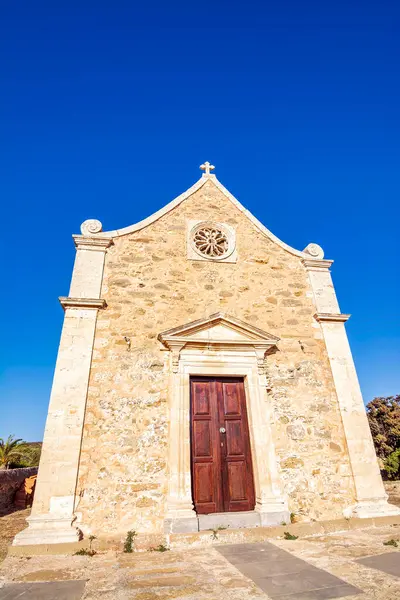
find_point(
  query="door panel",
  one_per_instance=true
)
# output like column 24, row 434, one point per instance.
column 234, row 439
column 201, row 399
column 222, row 474
column 237, row 468
column 236, row 481
column 231, row 399
column 202, row 439
column 205, row 451
column 203, row 475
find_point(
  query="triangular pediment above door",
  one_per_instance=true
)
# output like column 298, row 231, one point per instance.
column 218, row 329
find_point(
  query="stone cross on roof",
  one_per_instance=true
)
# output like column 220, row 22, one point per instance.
column 206, row 167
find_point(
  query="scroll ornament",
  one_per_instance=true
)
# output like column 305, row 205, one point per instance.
column 91, row 227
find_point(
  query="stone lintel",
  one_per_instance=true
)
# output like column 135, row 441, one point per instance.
column 68, row 302
column 96, row 243
column 331, row 317
column 317, row 264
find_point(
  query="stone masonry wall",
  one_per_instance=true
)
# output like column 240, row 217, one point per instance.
column 10, row 481
column 151, row 286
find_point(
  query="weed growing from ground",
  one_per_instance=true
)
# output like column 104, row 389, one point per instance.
column 87, row 551
column 289, row 536
column 129, row 540
column 215, row 531
column 391, row 543
column 160, row 548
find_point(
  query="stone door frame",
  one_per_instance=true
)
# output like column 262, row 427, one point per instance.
column 219, row 361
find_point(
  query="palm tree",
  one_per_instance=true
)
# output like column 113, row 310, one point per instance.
column 10, row 451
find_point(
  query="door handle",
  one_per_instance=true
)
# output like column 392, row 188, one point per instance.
column 222, row 430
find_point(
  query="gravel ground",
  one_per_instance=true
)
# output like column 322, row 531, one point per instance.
column 10, row 525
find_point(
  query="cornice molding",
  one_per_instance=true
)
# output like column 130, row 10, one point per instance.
column 98, row 244
column 96, row 303
column 317, row 264
column 332, row 318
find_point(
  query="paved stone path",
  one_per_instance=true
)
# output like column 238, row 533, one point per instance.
column 60, row 590
column 389, row 562
column 352, row 562
column 283, row 576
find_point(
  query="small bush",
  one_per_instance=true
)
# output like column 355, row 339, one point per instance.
column 160, row 548
column 130, row 536
column 289, row 536
column 85, row 552
column 391, row 543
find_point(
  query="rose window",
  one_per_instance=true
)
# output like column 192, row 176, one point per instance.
column 211, row 242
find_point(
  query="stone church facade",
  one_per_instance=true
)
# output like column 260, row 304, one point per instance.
column 203, row 373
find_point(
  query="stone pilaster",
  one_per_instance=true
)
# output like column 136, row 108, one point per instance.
column 371, row 497
column 271, row 502
column 180, row 514
column 52, row 518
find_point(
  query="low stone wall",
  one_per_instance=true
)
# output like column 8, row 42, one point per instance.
column 393, row 489
column 10, row 480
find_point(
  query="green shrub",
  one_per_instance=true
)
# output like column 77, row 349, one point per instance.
column 85, row 552
column 130, row 536
column 392, row 464
column 289, row 536
column 391, row 543
column 159, row 548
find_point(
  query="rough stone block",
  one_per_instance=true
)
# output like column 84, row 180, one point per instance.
column 272, row 519
column 336, row 525
column 382, row 521
column 233, row 520
column 181, row 525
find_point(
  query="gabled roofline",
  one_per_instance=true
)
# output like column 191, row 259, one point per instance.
column 93, row 228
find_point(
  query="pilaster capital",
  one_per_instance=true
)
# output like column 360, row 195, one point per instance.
column 175, row 346
column 261, row 350
column 68, row 302
column 317, row 264
column 331, row 317
column 96, row 243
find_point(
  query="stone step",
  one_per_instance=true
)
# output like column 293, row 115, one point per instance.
column 258, row 534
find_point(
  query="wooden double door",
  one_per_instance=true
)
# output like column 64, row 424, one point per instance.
column 222, row 473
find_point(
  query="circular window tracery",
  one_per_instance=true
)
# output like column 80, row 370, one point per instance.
column 212, row 241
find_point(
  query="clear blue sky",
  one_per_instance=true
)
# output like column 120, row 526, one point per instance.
column 108, row 108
